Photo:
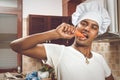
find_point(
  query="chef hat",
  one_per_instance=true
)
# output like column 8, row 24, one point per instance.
column 94, row 11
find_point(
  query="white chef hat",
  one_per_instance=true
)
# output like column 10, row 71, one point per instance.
column 94, row 11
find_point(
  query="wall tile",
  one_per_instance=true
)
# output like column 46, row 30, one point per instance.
column 111, row 53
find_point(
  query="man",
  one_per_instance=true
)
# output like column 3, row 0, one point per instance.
column 75, row 62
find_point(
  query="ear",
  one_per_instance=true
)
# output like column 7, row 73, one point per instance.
column 96, row 35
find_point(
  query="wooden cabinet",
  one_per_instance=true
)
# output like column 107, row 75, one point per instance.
column 10, row 29
column 38, row 24
column 69, row 6
column 41, row 23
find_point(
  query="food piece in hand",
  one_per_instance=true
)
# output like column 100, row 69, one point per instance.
column 79, row 34
column 43, row 75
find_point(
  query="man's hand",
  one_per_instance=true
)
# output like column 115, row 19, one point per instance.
column 65, row 31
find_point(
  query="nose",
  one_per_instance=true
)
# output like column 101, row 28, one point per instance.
column 87, row 28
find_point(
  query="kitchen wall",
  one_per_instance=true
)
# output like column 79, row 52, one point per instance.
column 110, row 50
column 39, row 7
column 111, row 53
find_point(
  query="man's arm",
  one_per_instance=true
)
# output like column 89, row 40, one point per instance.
column 110, row 77
column 31, row 45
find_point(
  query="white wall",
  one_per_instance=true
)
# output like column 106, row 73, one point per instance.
column 42, row 7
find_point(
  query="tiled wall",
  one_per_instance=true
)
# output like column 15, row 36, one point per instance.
column 110, row 51
column 30, row 64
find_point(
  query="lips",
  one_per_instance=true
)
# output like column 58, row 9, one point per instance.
column 79, row 34
column 85, row 35
column 82, row 36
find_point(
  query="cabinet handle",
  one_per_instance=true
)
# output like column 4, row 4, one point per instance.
column 46, row 41
column 49, row 41
column 67, row 41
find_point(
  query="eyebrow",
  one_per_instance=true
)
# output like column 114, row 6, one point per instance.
column 88, row 22
column 83, row 21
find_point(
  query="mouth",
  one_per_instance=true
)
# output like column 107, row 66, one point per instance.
column 81, row 36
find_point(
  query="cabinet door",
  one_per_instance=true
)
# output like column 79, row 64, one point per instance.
column 10, row 29
column 69, row 6
column 40, row 23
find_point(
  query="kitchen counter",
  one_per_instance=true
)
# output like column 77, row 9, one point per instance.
column 4, row 77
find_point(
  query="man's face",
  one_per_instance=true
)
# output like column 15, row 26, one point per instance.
column 89, row 29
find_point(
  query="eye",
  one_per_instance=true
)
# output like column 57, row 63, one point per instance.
column 95, row 27
column 83, row 23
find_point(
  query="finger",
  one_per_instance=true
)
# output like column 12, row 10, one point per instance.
column 71, row 29
column 65, row 28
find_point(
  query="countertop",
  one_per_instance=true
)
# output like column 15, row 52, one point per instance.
column 3, row 77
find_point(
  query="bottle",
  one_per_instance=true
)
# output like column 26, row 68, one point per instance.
column 18, row 69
